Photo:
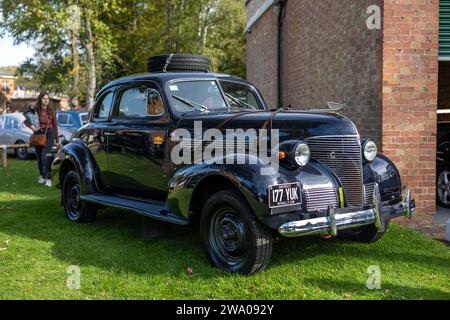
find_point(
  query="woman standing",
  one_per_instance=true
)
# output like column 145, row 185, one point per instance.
column 47, row 123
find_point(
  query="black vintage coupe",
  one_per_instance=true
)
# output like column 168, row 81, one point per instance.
column 329, row 182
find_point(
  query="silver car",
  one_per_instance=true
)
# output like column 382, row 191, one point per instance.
column 13, row 131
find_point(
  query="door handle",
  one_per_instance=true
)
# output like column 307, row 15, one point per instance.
column 110, row 134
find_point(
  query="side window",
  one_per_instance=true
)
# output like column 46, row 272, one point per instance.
column 102, row 110
column 15, row 124
column 62, row 119
column 140, row 103
column 8, row 123
column 1, row 122
column 155, row 105
column 70, row 121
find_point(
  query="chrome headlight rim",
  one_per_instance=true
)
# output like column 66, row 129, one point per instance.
column 302, row 154
column 370, row 150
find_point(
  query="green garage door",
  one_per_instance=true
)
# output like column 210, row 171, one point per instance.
column 444, row 30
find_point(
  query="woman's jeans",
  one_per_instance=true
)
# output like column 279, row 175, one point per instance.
column 44, row 155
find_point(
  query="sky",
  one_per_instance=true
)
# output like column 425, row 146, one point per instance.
column 11, row 55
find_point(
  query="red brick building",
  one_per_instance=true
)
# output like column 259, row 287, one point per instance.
column 379, row 57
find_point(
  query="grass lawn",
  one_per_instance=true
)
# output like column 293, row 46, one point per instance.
column 38, row 244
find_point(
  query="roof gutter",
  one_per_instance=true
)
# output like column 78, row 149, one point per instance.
column 266, row 5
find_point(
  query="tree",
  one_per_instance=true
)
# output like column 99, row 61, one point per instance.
column 115, row 37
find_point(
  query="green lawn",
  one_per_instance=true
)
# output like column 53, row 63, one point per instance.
column 38, row 244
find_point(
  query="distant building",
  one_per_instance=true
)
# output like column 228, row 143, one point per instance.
column 7, row 84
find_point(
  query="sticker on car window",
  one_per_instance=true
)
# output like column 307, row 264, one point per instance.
column 173, row 88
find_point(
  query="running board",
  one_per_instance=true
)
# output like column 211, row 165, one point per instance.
column 152, row 210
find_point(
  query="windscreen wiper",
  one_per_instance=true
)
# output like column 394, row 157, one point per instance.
column 239, row 102
column 193, row 104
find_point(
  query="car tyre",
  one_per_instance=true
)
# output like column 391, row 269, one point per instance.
column 233, row 239
column 443, row 187
column 178, row 62
column 76, row 210
column 21, row 153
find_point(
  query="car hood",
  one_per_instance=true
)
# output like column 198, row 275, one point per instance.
column 292, row 124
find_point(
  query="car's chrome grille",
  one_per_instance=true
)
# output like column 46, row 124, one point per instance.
column 342, row 154
column 320, row 198
column 368, row 193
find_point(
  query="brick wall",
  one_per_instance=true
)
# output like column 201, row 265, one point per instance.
column 388, row 78
column 328, row 55
column 410, row 74
column 261, row 52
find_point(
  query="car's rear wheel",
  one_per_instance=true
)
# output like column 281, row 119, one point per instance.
column 234, row 240
column 76, row 210
column 21, row 153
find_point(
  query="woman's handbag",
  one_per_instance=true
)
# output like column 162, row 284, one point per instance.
column 38, row 139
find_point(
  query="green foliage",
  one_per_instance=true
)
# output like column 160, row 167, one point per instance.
column 125, row 34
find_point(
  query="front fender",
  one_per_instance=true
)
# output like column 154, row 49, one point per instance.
column 77, row 155
column 384, row 172
column 246, row 178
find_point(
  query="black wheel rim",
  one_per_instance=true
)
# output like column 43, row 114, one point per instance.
column 229, row 237
column 72, row 200
column 21, row 153
column 443, row 187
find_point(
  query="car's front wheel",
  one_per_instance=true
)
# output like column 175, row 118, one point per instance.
column 234, row 240
column 76, row 210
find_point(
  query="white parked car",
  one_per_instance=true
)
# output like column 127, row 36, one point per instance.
column 13, row 131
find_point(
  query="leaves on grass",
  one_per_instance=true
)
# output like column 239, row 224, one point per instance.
column 5, row 245
column 6, row 208
column 190, row 271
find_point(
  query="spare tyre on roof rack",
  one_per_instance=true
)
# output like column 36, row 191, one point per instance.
column 178, row 62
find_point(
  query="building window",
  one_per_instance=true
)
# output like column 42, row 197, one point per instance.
column 4, row 85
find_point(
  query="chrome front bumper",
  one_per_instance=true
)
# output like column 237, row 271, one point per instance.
column 341, row 219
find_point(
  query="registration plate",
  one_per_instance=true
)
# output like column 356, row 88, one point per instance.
column 285, row 195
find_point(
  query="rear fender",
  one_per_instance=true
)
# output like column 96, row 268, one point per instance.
column 77, row 155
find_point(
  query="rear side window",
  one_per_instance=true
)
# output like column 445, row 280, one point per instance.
column 104, row 107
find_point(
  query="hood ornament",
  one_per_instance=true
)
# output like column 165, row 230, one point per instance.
column 332, row 107
column 335, row 106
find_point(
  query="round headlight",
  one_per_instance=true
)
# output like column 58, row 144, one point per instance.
column 302, row 154
column 370, row 150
